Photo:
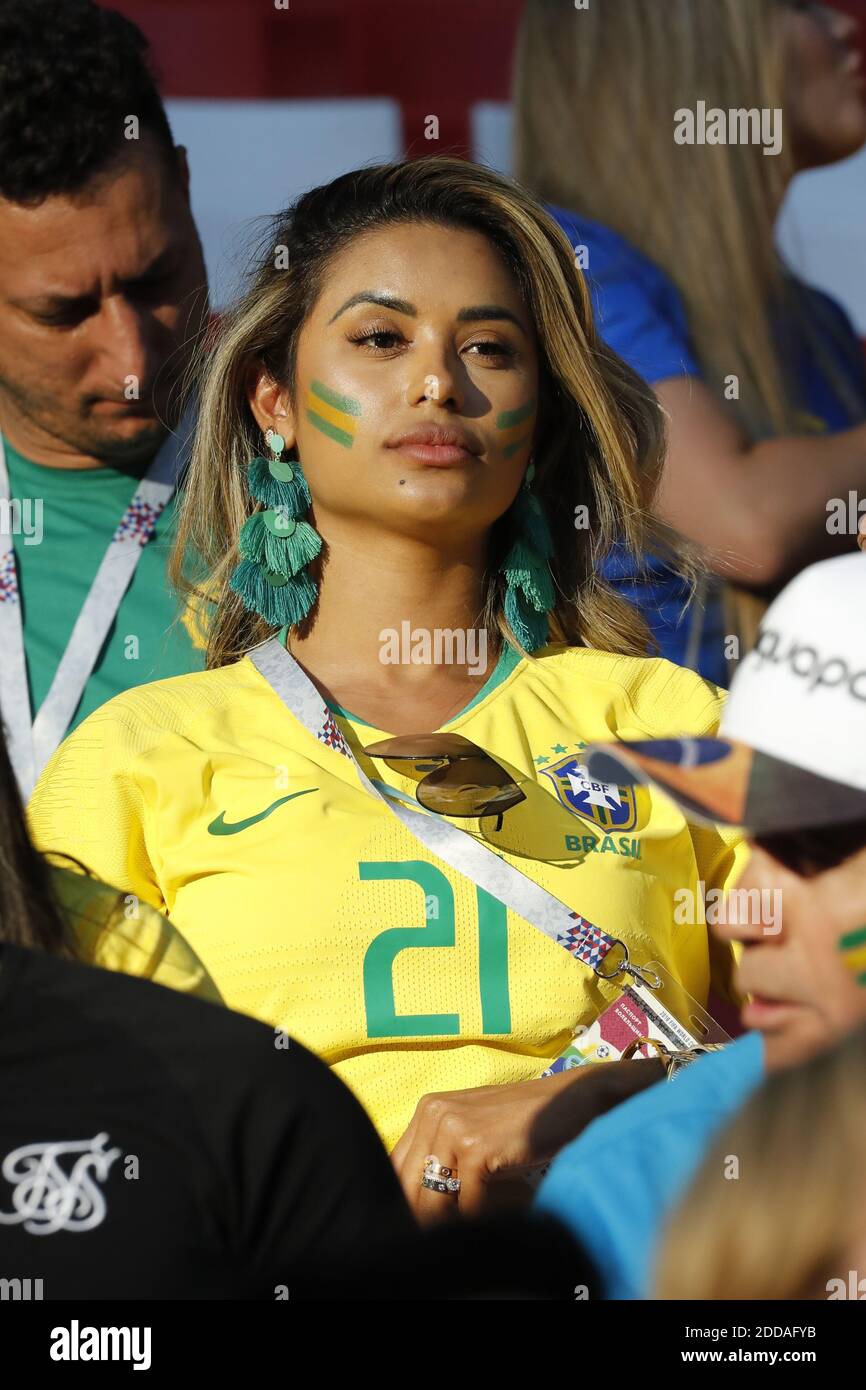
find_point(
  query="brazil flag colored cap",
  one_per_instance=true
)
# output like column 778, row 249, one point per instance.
column 791, row 750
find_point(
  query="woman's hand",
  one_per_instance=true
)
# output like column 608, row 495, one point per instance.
column 483, row 1133
column 491, row 1133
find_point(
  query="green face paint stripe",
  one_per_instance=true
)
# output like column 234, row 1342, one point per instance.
column 333, row 398
column 340, row 436
column 222, row 827
column 854, row 938
column 507, row 419
column 516, row 445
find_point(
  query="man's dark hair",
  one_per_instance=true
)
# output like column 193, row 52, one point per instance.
column 70, row 75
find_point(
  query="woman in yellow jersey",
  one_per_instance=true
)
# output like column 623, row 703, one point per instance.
column 417, row 350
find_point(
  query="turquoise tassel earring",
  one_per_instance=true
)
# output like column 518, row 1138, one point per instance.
column 529, row 592
column 276, row 544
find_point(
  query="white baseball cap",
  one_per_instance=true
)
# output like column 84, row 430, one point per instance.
column 791, row 749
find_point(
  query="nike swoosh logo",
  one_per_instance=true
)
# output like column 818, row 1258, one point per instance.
column 221, row 826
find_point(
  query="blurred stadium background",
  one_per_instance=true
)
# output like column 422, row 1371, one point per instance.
column 270, row 101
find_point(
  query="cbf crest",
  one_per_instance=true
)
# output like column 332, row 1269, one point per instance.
column 604, row 803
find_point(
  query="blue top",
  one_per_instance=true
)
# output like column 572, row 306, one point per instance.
column 641, row 315
column 614, row 1186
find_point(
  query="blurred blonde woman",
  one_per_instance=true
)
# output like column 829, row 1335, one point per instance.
column 792, row 1223
column 410, row 433
column 627, row 124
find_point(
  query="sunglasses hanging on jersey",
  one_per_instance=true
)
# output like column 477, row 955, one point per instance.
column 455, row 777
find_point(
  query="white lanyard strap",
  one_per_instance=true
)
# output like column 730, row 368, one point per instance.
column 14, row 710
column 31, row 745
column 477, row 862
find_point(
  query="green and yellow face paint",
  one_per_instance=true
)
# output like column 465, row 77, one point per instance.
column 516, row 426
column 333, row 413
column 853, row 948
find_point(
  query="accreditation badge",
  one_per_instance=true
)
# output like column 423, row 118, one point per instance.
column 655, row 1007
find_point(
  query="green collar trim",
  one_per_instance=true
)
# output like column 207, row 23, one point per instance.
column 509, row 657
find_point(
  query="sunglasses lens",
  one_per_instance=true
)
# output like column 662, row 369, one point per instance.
column 811, row 852
column 475, row 786
column 455, row 777
column 417, row 755
column 415, row 768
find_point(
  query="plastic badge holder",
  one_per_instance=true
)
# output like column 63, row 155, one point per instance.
column 661, row 1009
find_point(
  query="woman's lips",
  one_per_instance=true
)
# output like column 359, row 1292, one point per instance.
column 766, row 1014
column 439, row 455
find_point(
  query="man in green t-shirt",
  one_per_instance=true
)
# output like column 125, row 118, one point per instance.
column 102, row 298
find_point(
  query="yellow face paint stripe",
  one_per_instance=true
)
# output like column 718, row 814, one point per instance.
column 335, row 417
column 516, row 427
column 516, row 445
column 516, row 432
column 853, row 948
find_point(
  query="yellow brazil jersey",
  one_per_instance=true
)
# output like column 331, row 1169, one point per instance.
column 117, row 932
column 313, row 907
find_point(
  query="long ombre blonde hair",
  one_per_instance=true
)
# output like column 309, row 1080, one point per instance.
column 595, row 97
column 599, row 439
column 786, row 1220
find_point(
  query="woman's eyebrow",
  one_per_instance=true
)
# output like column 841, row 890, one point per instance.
column 387, row 301
column 476, row 312
column 473, row 313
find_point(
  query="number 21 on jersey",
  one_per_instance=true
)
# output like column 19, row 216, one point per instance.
column 383, row 1021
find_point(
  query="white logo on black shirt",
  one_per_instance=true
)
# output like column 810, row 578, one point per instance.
column 48, row 1199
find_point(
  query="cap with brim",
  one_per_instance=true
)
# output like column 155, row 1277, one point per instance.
column 718, row 780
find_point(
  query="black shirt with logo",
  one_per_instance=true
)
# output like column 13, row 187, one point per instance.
column 154, row 1146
